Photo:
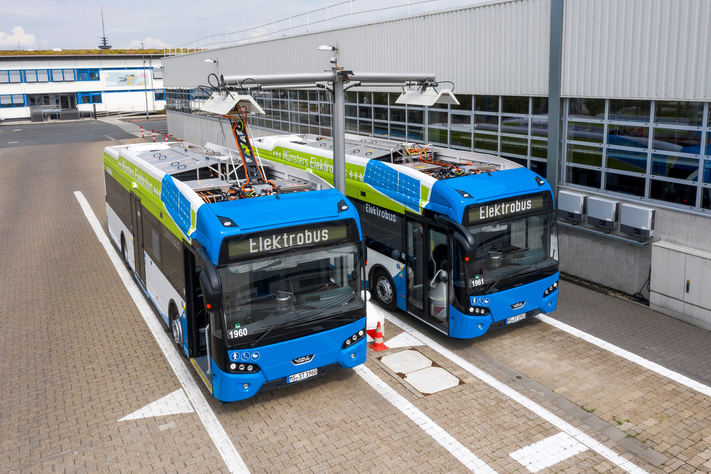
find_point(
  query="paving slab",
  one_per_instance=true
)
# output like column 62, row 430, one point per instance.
column 431, row 380
column 404, row 362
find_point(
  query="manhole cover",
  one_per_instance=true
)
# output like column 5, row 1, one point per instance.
column 406, row 361
column 432, row 380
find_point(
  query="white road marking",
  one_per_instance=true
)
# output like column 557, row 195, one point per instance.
column 17, row 130
column 559, row 423
column 548, row 452
column 456, row 448
column 212, row 425
column 403, row 340
column 647, row 364
column 172, row 404
column 10, row 143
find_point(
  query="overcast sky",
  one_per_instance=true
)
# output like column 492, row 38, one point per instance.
column 76, row 24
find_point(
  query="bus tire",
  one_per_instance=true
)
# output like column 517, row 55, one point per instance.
column 176, row 328
column 384, row 290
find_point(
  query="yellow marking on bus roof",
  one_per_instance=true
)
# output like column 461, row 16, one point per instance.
column 202, row 376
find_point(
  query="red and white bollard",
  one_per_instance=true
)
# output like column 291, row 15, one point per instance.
column 166, row 138
column 142, row 131
column 154, row 135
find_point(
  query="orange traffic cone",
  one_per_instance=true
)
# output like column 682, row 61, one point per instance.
column 378, row 344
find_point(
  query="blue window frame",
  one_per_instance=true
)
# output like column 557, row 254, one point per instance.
column 87, row 74
column 63, row 75
column 37, row 75
column 7, row 77
column 160, row 94
column 88, row 97
column 14, row 100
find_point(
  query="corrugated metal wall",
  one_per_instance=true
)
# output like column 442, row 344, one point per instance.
column 495, row 48
column 647, row 49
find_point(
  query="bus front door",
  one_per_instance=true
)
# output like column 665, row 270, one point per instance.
column 428, row 283
column 137, row 231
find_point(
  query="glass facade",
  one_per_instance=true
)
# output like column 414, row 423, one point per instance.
column 656, row 151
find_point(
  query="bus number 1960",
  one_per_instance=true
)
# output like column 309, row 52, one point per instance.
column 235, row 333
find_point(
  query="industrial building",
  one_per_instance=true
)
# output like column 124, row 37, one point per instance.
column 71, row 84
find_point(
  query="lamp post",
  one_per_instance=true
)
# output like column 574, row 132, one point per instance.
column 145, row 78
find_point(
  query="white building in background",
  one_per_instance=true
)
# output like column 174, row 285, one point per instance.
column 69, row 84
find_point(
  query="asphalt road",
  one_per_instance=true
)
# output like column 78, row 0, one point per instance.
column 85, row 131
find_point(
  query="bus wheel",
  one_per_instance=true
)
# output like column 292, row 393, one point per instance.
column 384, row 290
column 176, row 328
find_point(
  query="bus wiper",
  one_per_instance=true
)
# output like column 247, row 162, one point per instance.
column 291, row 322
column 490, row 287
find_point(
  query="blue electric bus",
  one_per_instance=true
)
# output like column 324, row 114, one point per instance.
column 464, row 241
column 256, row 269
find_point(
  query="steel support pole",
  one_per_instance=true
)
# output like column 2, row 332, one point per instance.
column 145, row 79
column 555, row 105
column 339, row 134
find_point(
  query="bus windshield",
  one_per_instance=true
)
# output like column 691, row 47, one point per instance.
column 510, row 251
column 292, row 293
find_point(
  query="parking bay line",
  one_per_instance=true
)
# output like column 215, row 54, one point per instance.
column 556, row 421
column 212, row 425
column 457, row 449
column 647, row 364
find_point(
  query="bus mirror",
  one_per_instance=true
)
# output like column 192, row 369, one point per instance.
column 211, row 297
column 395, row 254
column 463, row 247
column 210, row 283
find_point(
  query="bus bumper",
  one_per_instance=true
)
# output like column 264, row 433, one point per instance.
column 275, row 362
column 466, row 326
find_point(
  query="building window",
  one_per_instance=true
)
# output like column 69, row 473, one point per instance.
column 89, row 97
column 654, row 150
column 39, row 75
column 87, row 74
column 157, row 73
column 62, row 75
column 14, row 100
column 7, row 77
column 160, row 95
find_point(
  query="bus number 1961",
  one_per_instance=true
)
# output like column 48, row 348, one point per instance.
column 235, row 333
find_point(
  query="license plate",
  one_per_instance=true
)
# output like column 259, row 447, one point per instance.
column 302, row 376
column 515, row 319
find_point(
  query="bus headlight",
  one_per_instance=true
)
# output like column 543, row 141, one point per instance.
column 354, row 339
column 550, row 289
column 479, row 311
column 243, row 368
